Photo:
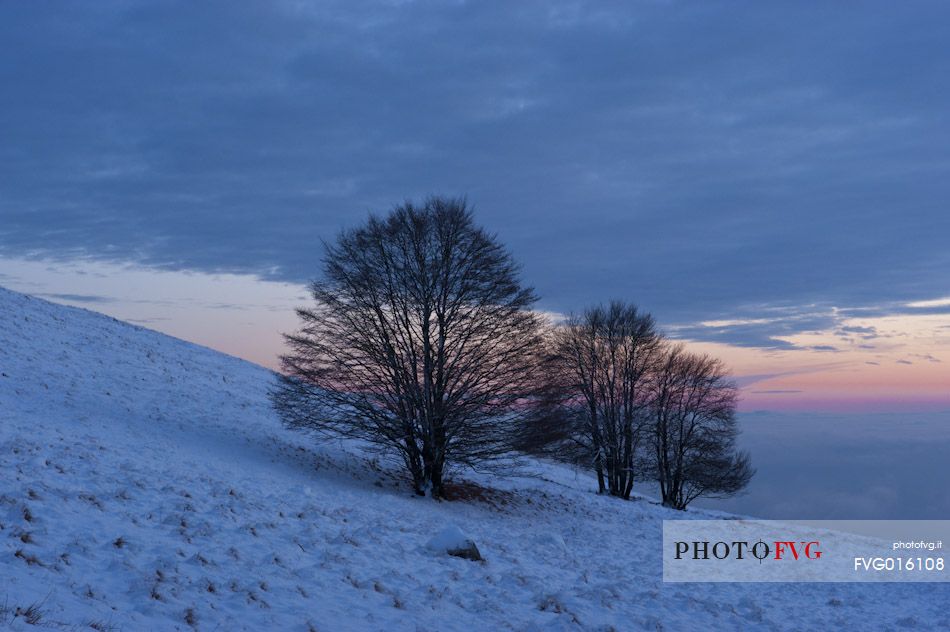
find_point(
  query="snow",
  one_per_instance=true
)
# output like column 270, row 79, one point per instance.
column 146, row 484
column 450, row 538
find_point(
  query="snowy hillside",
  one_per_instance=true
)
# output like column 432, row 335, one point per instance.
column 147, row 485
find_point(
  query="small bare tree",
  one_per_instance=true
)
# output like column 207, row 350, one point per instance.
column 421, row 341
column 549, row 430
column 694, row 430
column 605, row 361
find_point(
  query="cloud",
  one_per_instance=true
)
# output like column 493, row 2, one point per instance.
column 865, row 333
column 723, row 324
column 79, row 298
column 939, row 302
column 856, row 470
column 904, row 362
column 938, row 308
column 744, row 381
column 700, row 165
column 860, row 330
column 766, row 331
column 777, row 392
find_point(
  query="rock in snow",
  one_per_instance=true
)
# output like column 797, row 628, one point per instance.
column 552, row 541
column 451, row 540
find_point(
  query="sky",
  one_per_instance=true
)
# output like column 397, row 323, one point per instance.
column 770, row 180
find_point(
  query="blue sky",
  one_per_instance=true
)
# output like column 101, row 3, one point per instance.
column 776, row 169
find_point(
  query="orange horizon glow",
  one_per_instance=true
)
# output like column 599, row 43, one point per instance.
column 903, row 366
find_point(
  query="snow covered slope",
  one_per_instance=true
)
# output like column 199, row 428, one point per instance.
column 145, row 484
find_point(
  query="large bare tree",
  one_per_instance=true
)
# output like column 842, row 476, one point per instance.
column 421, row 340
column 606, row 357
column 694, row 430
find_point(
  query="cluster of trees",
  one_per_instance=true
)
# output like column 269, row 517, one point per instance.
column 634, row 404
column 422, row 341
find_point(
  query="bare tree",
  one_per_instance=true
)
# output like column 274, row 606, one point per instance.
column 694, row 430
column 605, row 360
column 549, row 429
column 421, row 341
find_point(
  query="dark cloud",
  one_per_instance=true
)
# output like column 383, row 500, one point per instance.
column 698, row 158
column 865, row 333
column 904, row 362
column 777, row 392
column 860, row 330
column 760, row 326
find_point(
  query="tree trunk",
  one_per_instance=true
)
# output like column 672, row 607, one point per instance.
column 628, row 488
column 435, row 484
column 432, row 468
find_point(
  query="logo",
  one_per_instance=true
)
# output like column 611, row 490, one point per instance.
column 750, row 550
column 760, row 550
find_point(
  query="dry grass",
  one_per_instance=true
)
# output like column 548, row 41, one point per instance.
column 468, row 491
